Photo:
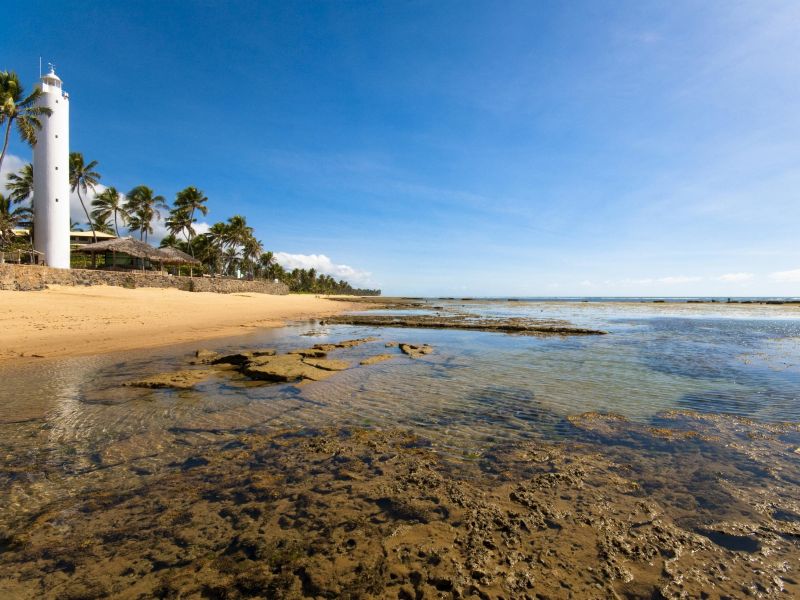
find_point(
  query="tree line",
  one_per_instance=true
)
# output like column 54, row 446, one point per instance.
column 228, row 248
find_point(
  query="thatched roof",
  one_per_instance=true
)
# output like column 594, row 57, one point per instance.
column 177, row 257
column 139, row 249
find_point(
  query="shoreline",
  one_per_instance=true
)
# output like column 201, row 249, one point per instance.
column 66, row 321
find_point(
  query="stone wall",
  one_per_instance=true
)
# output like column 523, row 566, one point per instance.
column 29, row 277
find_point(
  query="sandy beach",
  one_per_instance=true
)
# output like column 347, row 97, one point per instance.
column 72, row 321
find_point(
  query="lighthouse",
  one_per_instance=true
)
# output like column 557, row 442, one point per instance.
column 51, row 175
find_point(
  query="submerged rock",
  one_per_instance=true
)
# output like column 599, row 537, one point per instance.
column 466, row 322
column 415, row 351
column 284, row 368
column 378, row 358
column 327, row 364
column 204, row 357
column 310, row 352
column 240, row 358
column 344, row 344
column 376, row 514
column 179, row 380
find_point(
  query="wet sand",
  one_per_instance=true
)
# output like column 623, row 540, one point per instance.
column 71, row 321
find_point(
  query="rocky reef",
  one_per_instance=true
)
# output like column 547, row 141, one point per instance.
column 264, row 364
column 379, row 514
column 465, row 322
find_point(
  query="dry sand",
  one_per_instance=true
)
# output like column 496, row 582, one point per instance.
column 72, row 321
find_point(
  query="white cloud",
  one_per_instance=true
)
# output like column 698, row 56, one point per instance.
column 786, row 276
column 11, row 164
column 736, row 277
column 322, row 264
column 678, row 279
column 671, row 280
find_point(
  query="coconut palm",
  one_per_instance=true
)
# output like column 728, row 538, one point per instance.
column 251, row 251
column 266, row 262
column 207, row 250
column 231, row 258
column 211, row 244
column 20, row 184
column 101, row 223
column 180, row 222
column 144, row 207
column 237, row 231
column 11, row 219
column 82, row 178
column 191, row 200
column 109, row 205
column 171, row 241
column 16, row 106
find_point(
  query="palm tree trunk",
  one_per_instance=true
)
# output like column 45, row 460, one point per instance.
column 115, row 223
column 191, row 220
column 5, row 143
column 86, row 212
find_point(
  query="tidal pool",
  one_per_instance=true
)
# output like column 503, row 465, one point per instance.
column 686, row 411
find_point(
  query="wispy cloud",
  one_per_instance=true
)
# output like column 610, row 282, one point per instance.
column 322, row 264
column 669, row 280
column 792, row 276
column 736, row 277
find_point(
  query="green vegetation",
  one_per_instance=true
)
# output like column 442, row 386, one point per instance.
column 10, row 219
column 15, row 106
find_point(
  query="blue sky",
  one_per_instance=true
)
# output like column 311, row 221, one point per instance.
column 455, row 148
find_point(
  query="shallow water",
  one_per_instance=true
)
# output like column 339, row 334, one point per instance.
column 476, row 387
column 68, row 429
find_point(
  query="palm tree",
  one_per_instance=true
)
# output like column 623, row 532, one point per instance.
column 251, row 251
column 207, row 250
column 21, row 184
column 101, row 223
column 82, row 178
column 238, row 231
column 180, row 222
column 15, row 106
column 191, row 200
column 170, row 241
column 10, row 219
column 231, row 256
column 108, row 204
column 266, row 262
column 144, row 206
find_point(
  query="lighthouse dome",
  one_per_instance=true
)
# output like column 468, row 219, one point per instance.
column 51, row 78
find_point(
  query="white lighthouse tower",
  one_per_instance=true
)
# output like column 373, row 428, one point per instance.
column 51, row 175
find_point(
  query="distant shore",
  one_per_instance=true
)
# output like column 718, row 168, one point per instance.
column 73, row 321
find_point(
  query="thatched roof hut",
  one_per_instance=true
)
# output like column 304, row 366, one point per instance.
column 138, row 249
column 178, row 257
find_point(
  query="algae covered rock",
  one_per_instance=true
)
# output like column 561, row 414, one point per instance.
column 416, row 351
column 327, row 364
column 378, row 358
column 179, row 380
column 284, row 368
column 344, row 344
column 204, row 357
column 240, row 358
column 310, row 352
